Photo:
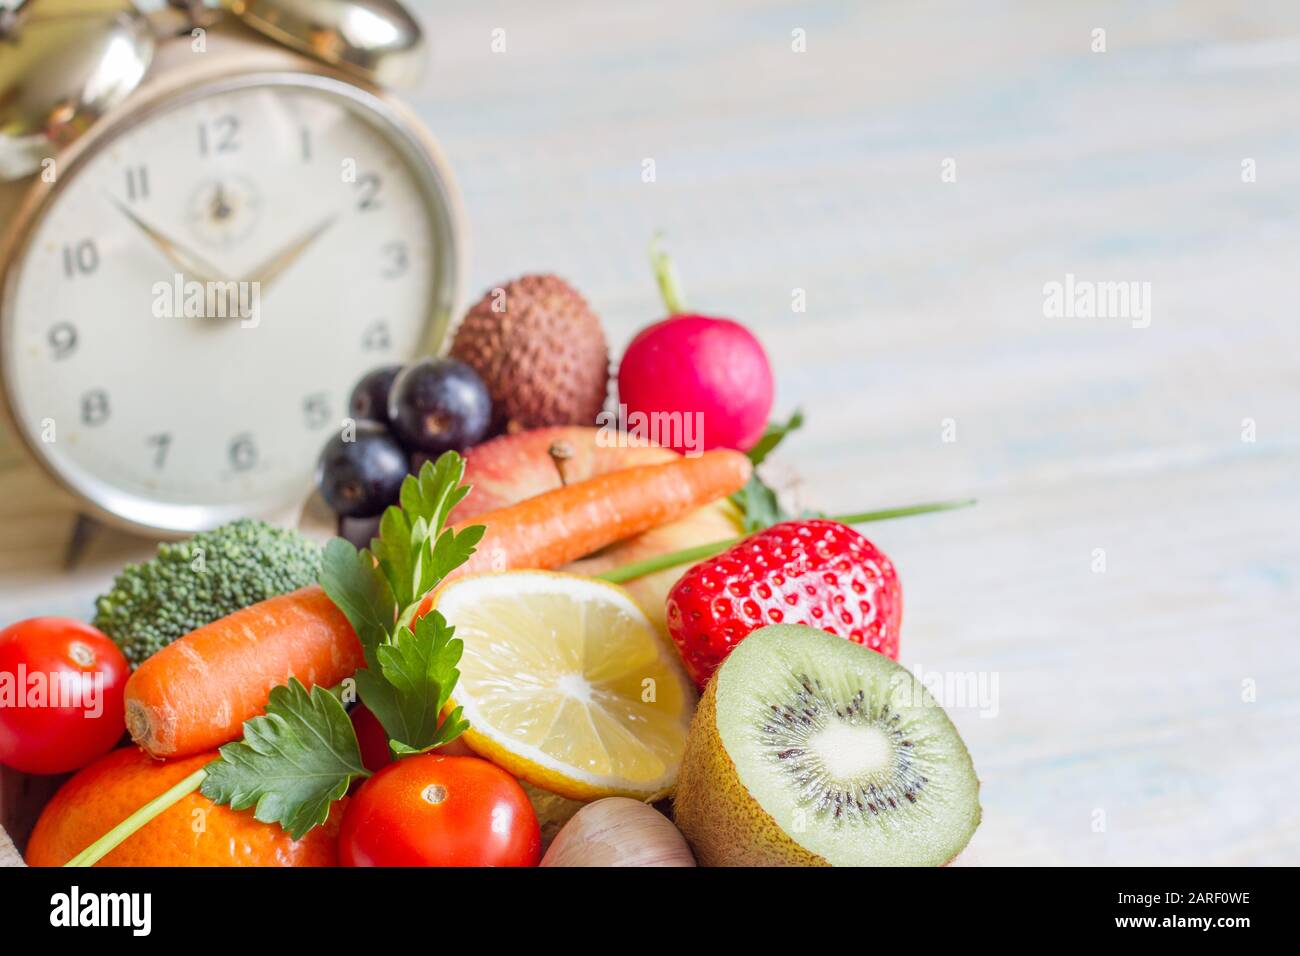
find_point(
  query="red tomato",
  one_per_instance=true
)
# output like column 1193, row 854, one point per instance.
column 372, row 738
column 433, row 810
column 61, row 690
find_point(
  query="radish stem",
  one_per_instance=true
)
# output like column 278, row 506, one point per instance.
column 670, row 285
column 906, row 511
column 638, row 569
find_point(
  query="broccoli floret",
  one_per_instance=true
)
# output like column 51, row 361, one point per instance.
column 195, row 582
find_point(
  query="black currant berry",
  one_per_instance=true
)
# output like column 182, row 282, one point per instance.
column 360, row 478
column 437, row 405
column 370, row 397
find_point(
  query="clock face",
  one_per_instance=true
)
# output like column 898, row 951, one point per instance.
column 193, row 304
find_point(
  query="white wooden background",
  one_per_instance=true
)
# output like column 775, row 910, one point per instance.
column 1121, row 734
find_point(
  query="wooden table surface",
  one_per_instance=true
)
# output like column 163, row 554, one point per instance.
column 1128, row 588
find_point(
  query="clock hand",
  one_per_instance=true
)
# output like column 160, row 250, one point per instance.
column 268, row 271
column 220, row 210
column 184, row 259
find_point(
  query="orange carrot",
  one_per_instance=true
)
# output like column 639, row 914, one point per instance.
column 196, row 693
column 556, row 527
column 571, row 522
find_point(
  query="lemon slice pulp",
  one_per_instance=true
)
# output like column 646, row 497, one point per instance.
column 567, row 684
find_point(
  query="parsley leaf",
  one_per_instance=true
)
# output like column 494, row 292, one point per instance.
column 421, row 668
column 359, row 590
column 408, row 668
column 758, row 503
column 451, row 551
column 292, row 763
column 435, row 491
column 397, row 549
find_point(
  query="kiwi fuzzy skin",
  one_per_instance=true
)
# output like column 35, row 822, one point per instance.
column 724, row 825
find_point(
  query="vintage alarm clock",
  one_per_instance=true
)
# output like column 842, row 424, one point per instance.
column 216, row 222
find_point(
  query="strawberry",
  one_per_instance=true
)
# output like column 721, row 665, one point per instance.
column 815, row 572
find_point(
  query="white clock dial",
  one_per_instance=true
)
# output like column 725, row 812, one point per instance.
column 331, row 225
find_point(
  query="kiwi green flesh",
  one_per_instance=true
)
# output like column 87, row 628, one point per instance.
column 845, row 750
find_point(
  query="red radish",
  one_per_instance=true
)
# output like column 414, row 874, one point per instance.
column 690, row 363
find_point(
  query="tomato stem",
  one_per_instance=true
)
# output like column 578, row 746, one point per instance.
column 114, row 837
column 672, row 559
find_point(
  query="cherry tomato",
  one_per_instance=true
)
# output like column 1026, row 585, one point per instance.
column 61, row 695
column 433, row 810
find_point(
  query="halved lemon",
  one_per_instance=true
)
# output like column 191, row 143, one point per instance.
column 566, row 684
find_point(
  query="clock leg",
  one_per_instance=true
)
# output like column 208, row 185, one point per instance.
column 84, row 530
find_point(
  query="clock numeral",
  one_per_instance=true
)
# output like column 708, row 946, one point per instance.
column 316, row 409
column 368, row 185
column 304, row 142
column 94, row 407
column 137, row 183
column 397, row 259
column 242, row 452
column 162, row 443
column 80, row 258
column 62, row 338
column 219, row 136
column 376, row 337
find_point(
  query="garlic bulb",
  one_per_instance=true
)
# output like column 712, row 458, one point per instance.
column 617, row 831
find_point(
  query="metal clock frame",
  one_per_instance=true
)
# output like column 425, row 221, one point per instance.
column 402, row 129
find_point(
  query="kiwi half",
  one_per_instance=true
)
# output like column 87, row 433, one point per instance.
column 811, row 750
